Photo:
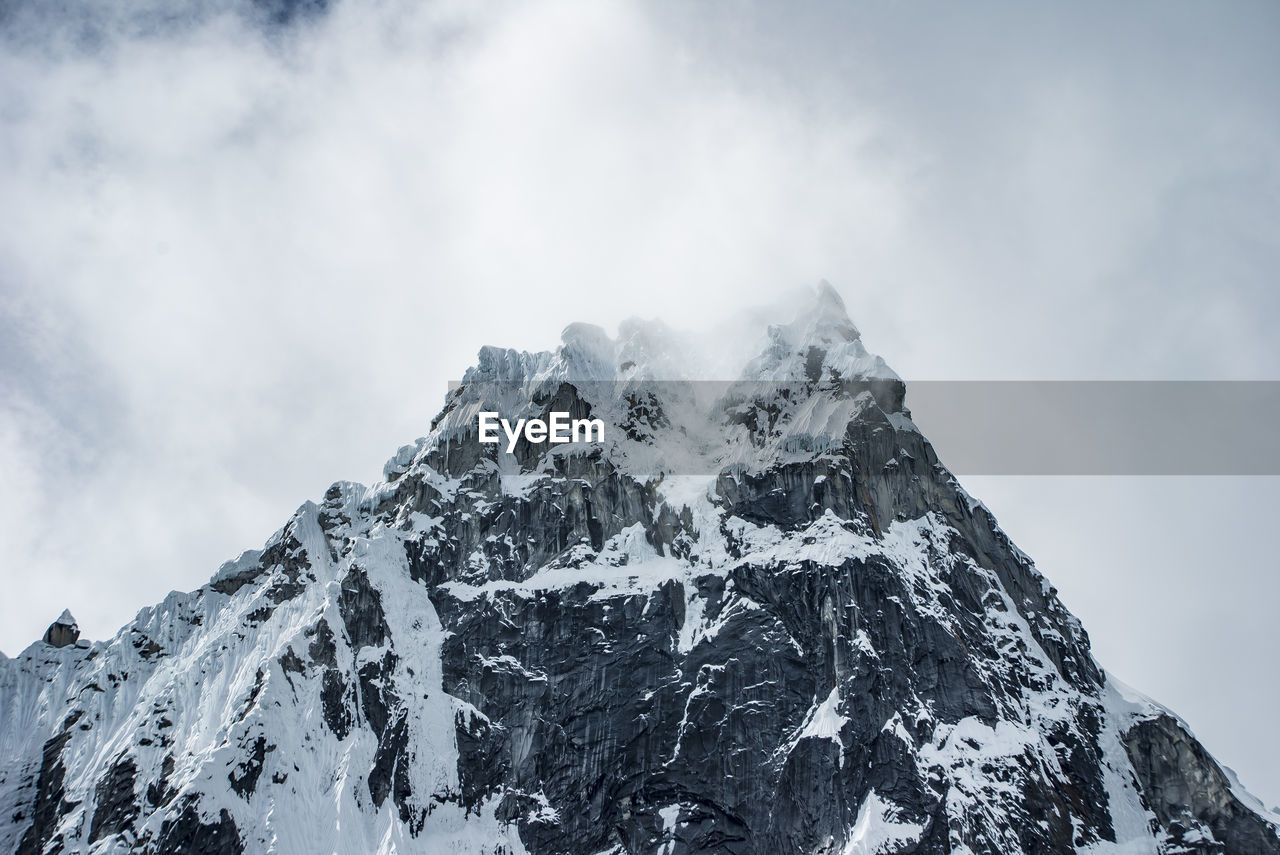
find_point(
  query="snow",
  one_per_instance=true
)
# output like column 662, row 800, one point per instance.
column 644, row 571
column 1271, row 815
column 222, row 686
column 669, row 815
column 902, row 422
column 824, row 325
column 824, row 722
column 681, row 373
column 879, row 829
column 895, row 726
column 1126, row 704
column 245, row 562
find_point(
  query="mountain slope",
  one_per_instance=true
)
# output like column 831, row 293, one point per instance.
column 760, row 617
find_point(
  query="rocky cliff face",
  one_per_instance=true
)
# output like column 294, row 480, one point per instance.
column 759, row 618
column 63, row 631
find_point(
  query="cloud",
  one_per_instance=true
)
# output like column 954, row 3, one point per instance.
column 248, row 263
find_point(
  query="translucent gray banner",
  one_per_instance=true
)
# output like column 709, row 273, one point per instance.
column 1101, row 427
column 1090, row 427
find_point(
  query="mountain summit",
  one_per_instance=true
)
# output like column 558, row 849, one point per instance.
column 63, row 631
column 760, row 616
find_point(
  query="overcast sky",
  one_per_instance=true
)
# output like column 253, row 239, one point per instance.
column 239, row 262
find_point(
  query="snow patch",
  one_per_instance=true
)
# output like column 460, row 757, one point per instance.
column 879, row 829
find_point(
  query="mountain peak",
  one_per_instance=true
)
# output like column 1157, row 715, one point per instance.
column 63, row 632
column 755, row 612
column 826, row 317
column 587, row 352
column 821, row 343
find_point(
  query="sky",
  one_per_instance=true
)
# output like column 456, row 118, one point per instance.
column 241, row 259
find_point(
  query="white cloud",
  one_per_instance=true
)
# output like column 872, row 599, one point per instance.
column 266, row 257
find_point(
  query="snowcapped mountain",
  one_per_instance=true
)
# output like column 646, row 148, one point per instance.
column 759, row 617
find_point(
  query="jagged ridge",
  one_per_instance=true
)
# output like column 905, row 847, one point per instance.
column 761, row 617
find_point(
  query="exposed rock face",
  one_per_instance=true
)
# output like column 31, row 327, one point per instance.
column 769, row 623
column 1190, row 793
column 62, row 632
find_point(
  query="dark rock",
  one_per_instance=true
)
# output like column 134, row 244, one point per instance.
column 390, row 764
column 115, row 806
column 159, row 792
column 323, row 650
column 188, row 834
column 1190, row 794
column 336, row 703
column 63, row 632
column 49, row 801
column 244, row 778
column 360, row 605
